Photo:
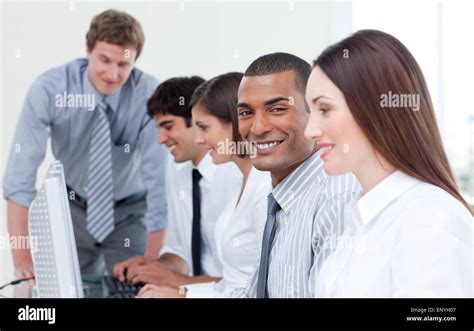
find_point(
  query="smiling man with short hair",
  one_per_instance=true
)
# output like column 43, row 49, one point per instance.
column 306, row 206
column 113, row 168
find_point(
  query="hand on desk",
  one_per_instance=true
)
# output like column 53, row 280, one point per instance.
column 142, row 269
column 154, row 272
column 154, row 291
column 120, row 269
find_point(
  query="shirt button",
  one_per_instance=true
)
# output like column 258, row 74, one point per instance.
column 236, row 242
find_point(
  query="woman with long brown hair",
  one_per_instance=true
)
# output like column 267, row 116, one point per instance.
column 409, row 232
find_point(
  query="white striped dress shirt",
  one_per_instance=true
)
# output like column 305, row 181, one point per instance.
column 308, row 225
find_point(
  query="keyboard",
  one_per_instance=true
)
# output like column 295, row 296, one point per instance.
column 118, row 289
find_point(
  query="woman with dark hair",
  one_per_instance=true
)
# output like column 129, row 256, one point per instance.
column 409, row 232
column 239, row 228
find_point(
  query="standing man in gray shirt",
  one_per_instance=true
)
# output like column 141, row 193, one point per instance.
column 94, row 109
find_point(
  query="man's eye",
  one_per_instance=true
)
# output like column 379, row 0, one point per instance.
column 244, row 113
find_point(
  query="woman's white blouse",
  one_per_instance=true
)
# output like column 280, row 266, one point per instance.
column 403, row 238
column 238, row 236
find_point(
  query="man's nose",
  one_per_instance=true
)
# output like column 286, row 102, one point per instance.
column 260, row 125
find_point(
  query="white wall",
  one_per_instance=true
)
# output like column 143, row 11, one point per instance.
column 419, row 33
column 437, row 40
column 182, row 38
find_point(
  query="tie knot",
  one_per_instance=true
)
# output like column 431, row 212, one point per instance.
column 273, row 206
column 102, row 106
column 196, row 175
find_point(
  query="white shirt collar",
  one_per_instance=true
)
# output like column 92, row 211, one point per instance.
column 384, row 193
column 207, row 168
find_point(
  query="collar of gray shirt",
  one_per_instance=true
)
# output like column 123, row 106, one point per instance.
column 295, row 184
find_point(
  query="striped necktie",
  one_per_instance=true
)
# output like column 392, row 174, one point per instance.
column 268, row 235
column 100, row 204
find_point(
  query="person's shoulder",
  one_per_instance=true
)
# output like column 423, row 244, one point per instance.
column 427, row 206
column 59, row 78
column 142, row 80
column 429, row 198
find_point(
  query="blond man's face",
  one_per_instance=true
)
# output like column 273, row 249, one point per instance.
column 110, row 66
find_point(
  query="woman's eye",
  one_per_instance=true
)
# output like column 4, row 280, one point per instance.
column 323, row 110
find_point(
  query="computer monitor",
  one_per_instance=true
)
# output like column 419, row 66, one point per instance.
column 55, row 258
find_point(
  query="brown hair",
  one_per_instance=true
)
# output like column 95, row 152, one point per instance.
column 219, row 97
column 370, row 64
column 173, row 96
column 116, row 27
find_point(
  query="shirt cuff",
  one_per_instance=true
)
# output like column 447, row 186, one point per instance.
column 200, row 290
column 20, row 198
column 155, row 222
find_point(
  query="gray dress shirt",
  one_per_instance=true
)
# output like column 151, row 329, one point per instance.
column 58, row 105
